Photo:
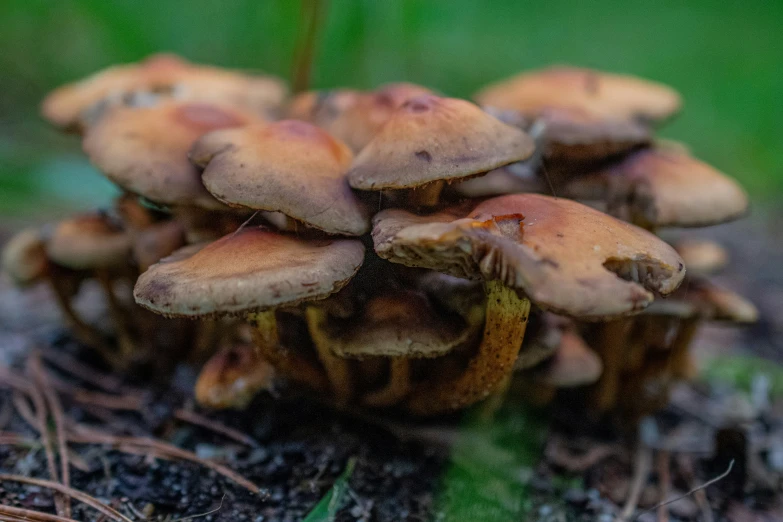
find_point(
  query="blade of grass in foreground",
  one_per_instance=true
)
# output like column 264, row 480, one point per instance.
column 487, row 477
column 327, row 507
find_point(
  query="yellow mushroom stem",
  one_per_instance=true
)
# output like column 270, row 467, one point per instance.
column 288, row 363
column 611, row 345
column 427, row 195
column 338, row 370
column 504, row 329
column 398, row 387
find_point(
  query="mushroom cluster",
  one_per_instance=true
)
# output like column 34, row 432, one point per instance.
column 387, row 248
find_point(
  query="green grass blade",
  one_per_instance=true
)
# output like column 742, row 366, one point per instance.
column 326, row 509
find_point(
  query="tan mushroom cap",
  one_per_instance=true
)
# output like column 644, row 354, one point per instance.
column 167, row 75
column 353, row 116
column 248, row 271
column 574, row 363
column 606, row 95
column 289, row 166
column 663, row 186
column 430, row 139
column 702, row 256
column 24, row 257
column 397, row 324
column 89, row 241
column 566, row 257
column 510, row 179
column 700, row 298
column 145, row 150
column 232, row 377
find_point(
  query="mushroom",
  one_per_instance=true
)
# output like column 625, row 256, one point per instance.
column 397, row 325
column 232, row 377
column 663, row 187
column 353, row 116
column 145, row 150
column 573, row 364
column 156, row 242
column 702, row 256
column 431, row 140
column 252, row 273
column 565, row 257
column 160, row 75
column 291, row 167
column 511, row 179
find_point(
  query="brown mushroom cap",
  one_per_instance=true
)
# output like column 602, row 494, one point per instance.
column 145, row 150
column 574, row 363
column 89, row 241
column 397, row 324
column 289, row 166
column 510, row 179
column 24, row 257
column 248, row 271
column 564, row 256
column 702, row 256
column 167, row 75
column 700, row 298
column 609, row 96
column 664, row 186
column 232, row 377
column 353, row 116
column 430, row 139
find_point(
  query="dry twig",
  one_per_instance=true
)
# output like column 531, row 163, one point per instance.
column 32, row 516
column 664, row 482
column 640, row 473
column 213, row 425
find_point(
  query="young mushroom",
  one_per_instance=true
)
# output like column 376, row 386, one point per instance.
column 75, row 106
column 702, row 256
column 398, row 326
column 292, row 167
column 563, row 256
column 429, row 141
column 251, row 273
column 232, row 377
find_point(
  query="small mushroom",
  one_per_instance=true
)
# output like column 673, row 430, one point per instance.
column 663, row 187
column 232, row 377
column 431, row 140
column 573, row 364
column 160, row 75
column 156, row 242
column 515, row 178
column 289, row 166
column 564, row 256
column 24, row 258
column 145, row 150
column 702, row 256
column 398, row 326
column 251, row 273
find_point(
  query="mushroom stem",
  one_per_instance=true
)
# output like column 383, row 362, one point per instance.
column 504, row 330
column 84, row 332
column 426, row 195
column 398, row 387
column 288, row 363
column 681, row 366
column 338, row 370
column 612, row 341
column 118, row 314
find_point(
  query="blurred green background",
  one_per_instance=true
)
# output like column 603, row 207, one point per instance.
column 725, row 57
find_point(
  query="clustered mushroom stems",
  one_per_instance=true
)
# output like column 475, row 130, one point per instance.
column 210, row 147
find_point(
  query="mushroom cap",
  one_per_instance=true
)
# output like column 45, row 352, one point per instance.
column 397, row 324
column 248, row 271
column 664, row 186
column 156, row 242
column 24, row 257
column 565, row 256
column 606, row 95
column 166, row 75
column 145, row 150
column 353, row 116
column 233, row 376
column 88, row 241
column 289, row 166
column 429, row 138
column 700, row 298
column 574, row 363
column 702, row 256
column 509, row 179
